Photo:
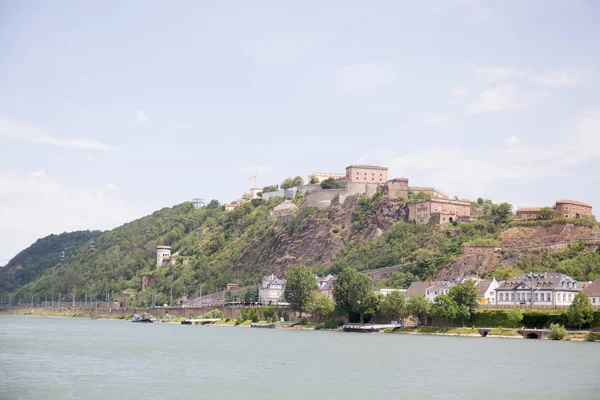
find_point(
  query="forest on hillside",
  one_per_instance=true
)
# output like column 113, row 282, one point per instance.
column 241, row 246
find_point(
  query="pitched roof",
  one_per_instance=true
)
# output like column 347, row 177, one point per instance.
column 327, row 282
column 541, row 280
column 482, row 287
column 593, row 289
column 439, row 285
column 417, row 289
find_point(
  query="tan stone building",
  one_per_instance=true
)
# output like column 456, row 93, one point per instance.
column 526, row 213
column 562, row 209
column 321, row 176
column 572, row 209
column 440, row 211
column 366, row 174
column 397, row 187
column 431, row 192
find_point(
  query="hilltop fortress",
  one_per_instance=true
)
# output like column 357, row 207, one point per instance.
column 430, row 205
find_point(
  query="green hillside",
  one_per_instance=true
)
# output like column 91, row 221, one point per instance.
column 213, row 247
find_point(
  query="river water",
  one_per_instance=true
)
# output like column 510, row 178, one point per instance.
column 61, row 358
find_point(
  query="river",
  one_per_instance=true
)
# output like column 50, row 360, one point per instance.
column 62, row 358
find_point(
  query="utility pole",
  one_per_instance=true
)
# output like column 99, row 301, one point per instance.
column 31, row 301
column 171, row 295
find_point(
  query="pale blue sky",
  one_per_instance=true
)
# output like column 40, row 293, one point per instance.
column 112, row 110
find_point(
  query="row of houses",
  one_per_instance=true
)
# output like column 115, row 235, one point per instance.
column 536, row 289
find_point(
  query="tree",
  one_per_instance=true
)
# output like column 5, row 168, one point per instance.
column 270, row 188
column 580, row 311
column 314, row 180
column 370, row 307
column 503, row 273
column 418, row 307
column 465, row 296
column 246, row 196
column 546, row 213
column 503, row 211
column 444, row 307
column 402, row 280
column 394, row 305
column 350, row 292
column 322, row 306
column 300, row 289
column 556, row 332
column 480, row 201
column 514, row 316
column 213, row 204
column 292, row 182
column 330, row 183
column 251, row 295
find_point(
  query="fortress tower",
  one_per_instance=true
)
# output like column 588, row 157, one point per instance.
column 162, row 252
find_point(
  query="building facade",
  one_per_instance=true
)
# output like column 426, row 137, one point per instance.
column 325, row 285
column 526, row 213
column 147, row 281
column 538, row 288
column 397, row 187
column 486, row 290
column 366, row 174
column 572, row 209
column 438, row 210
column 593, row 292
column 437, row 288
column 480, row 249
column 271, row 290
column 162, row 253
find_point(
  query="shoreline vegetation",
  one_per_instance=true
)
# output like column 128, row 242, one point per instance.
column 498, row 332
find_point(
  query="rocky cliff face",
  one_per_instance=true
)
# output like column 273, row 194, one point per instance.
column 520, row 242
column 317, row 236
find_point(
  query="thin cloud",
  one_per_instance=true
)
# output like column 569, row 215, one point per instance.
column 438, row 121
column 458, row 94
column 363, row 77
column 141, row 117
column 69, row 105
column 13, row 130
column 468, row 171
column 495, row 75
column 565, row 77
column 505, row 97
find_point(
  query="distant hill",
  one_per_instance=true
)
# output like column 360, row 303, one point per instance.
column 212, row 247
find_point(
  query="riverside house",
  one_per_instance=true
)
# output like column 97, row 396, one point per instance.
column 593, row 292
column 271, row 290
column 547, row 288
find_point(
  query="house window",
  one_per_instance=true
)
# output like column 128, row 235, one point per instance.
column 566, row 207
column 566, row 215
column 533, row 216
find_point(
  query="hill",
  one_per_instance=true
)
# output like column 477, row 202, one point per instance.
column 212, row 247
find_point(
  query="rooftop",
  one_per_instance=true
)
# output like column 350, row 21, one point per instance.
column 529, row 209
column 593, row 290
column 541, row 280
column 578, row 203
column 366, row 166
column 417, row 289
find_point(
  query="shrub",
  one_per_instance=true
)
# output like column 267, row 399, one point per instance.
column 268, row 312
column 213, row 314
column 333, row 324
column 592, row 336
column 557, row 332
column 335, row 230
column 255, row 318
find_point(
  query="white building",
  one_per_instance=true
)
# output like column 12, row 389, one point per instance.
column 538, row 288
column 271, row 290
column 162, row 252
column 440, row 287
column 593, row 292
column 486, row 290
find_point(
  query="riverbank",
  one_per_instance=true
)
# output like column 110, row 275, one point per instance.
column 505, row 333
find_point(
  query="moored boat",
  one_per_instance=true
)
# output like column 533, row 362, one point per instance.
column 360, row 328
column 267, row 326
column 145, row 320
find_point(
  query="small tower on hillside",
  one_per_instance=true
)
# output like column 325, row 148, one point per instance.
column 162, row 252
column 147, row 281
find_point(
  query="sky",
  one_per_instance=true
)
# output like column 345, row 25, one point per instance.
column 111, row 110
